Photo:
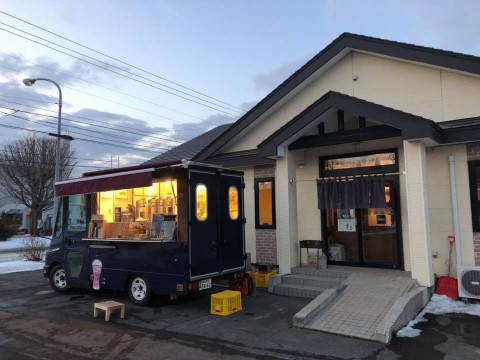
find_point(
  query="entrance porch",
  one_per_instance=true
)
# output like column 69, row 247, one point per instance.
column 338, row 127
column 359, row 302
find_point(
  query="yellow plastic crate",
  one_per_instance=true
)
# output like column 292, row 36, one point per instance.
column 226, row 302
column 262, row 278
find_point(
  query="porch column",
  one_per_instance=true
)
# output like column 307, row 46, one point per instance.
column 286, row 213
column 418, row 214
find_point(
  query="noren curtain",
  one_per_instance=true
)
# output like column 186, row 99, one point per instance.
column 357, row 193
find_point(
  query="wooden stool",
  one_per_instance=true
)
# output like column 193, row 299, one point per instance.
column 109, row 307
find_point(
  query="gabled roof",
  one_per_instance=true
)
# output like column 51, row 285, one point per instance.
column 344, row 43
column 411, row 126
column 189, row 149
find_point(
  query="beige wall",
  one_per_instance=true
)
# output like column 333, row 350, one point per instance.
column 249, row 196
column 440, row 205
column 435, row 94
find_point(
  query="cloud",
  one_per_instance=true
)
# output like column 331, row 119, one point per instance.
column 275, row 77
column 246, row 106
column 187, row 131
column 11, row 65
column 94, row 133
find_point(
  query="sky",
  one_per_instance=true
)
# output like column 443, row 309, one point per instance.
column 204, row 62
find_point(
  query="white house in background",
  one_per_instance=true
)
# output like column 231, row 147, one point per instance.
column 19, row 214
column 354, row 149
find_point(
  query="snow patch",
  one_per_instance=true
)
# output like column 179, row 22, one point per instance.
column 16, row 242
column 20, row 265
column 438, row 305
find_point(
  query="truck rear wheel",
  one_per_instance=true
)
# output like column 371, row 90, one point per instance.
column 58, row 279
column 139, row 291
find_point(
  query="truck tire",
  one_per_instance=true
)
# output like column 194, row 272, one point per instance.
column 139, row 291
column 58, row 279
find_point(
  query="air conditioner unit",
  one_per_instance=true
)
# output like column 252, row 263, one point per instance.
column 469, row 281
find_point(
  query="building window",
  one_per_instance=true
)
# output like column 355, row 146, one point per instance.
column 265, row 203
column 233, row 202
column 474, row 176
column 201, row 202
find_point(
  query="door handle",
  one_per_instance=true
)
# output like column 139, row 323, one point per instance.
column 70, row 242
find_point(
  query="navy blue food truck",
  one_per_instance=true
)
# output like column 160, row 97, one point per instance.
column 168, row 228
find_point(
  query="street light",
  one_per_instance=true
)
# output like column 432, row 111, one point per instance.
column 30, row 82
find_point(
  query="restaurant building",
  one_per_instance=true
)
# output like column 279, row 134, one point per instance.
column 359, row 148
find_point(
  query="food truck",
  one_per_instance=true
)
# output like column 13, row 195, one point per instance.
column 169, row 228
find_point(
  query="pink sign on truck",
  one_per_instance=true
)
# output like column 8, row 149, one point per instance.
column 97, row 270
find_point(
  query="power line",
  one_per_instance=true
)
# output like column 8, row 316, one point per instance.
column 22, row 98
column 54, row 123
column 118, row 73
column 76, row 138
column 120, row 61
column 101, row 86
column 110, row 127
column 16, row 161
column 148, row 142
column 85, row 159
column 115, row 102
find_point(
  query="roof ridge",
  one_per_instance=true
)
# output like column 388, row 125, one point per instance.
column 408, row 52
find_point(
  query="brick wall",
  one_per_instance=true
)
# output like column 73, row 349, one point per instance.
column 266, row 239
column 476, row 247
column 266, row 246
column 473, row 153
column 264, row 171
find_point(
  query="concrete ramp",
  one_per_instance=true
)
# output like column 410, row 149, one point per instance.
column 369, row 304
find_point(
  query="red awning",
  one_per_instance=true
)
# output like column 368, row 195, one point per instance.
column 116, row 181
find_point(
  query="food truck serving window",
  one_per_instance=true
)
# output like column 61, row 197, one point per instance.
column 129, row 213
column 233, row 202
column 201, row 202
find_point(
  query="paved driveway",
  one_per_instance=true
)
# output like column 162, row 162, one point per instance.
column 36, row 323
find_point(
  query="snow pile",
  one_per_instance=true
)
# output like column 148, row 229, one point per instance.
column 16, row 242
column 20, row 265
column 438, row 305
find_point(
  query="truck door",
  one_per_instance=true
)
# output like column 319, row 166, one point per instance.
column 204, row 257
column 77, row 268
column 231, row 219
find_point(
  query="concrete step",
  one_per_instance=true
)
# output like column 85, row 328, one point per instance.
column 308, row 280
column 303, row 291
column 338, row 275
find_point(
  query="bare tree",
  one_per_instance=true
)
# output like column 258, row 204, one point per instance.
column 27, row 172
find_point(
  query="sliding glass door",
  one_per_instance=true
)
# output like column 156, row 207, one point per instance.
column 359, row 225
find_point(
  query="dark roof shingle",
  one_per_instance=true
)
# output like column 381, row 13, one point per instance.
column 189, row 148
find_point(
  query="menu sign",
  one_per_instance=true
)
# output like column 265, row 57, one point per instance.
column 157, row 223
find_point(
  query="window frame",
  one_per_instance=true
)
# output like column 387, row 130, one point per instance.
column 86, row 215
column 474, row 202
column 230, row 204
column 257, row 204
column 196, row 202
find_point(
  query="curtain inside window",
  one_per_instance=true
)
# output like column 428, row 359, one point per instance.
column 358, row 193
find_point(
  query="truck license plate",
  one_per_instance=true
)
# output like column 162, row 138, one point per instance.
column 205, row 284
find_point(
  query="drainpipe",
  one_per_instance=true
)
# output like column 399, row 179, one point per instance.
column 453, row 182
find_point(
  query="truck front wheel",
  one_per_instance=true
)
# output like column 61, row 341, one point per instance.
column 58, row 279
column 139, row 291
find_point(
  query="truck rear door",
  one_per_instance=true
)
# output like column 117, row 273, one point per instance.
column 231, row 219
column 203, row 231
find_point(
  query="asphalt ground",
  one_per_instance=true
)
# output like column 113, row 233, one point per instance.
column 37, row 323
